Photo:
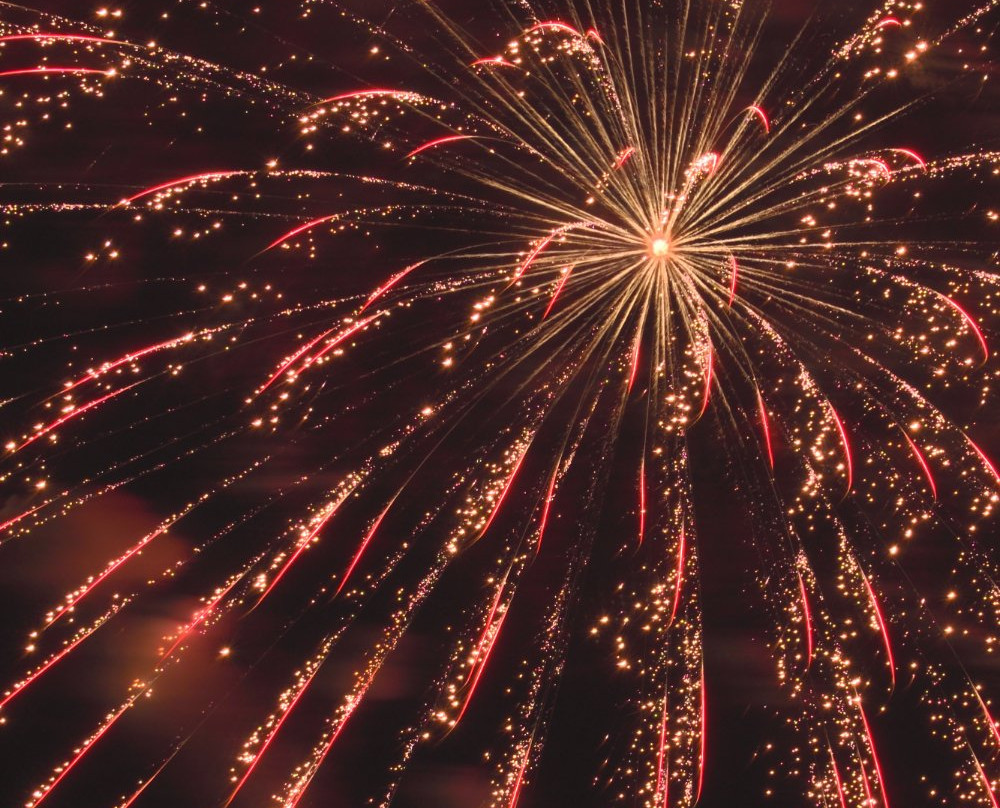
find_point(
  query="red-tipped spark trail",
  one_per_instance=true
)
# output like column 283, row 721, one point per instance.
column 506, row 490
column 45, row 430
column 188, row 180
column 986, row 461
column 89, row 744
column 642, row 501
column 920, row 161
column 709, row 377
column 635, row 361
column 519, row 782
column 549, row 496
column 703, row 739
column 555, row 295
column 972, row 324
column 337, row 340
column 301, row 546
column 128, row 359
column 353, row 703
column 356, row 559
column 293, row 359
column 492, row 61
column 624, row 157
column 662, row 760
column 399, row 95
column 483, row 651
column 64, row 71
column 441, row 141
column 923, row 464
column 766, row 427
column 883, row 629
column 679, row 574
column 807, row 620
column 271, row 736
column 875, row 757
column 57, row 37
column 32, row 678
column 113, row 566
column 200, row 617
column 985, row 780
column 389, row 284
column 848, row 459
column 836, row 778
column 757, row 111
column 302, row 228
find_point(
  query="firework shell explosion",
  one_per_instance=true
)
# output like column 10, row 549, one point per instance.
column 515, row 403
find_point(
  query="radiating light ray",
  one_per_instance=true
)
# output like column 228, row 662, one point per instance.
column 302, row 228
column 515, row 795
column 145, row 785
column 634, row 364
column 987, row 716
column 353, row 703
column 23, row 515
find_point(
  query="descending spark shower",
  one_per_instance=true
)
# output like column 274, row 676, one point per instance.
column 569, row 351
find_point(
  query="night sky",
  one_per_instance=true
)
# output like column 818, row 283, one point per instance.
column 226, row 533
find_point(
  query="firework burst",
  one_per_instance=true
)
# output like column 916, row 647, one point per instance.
column 580, row 333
